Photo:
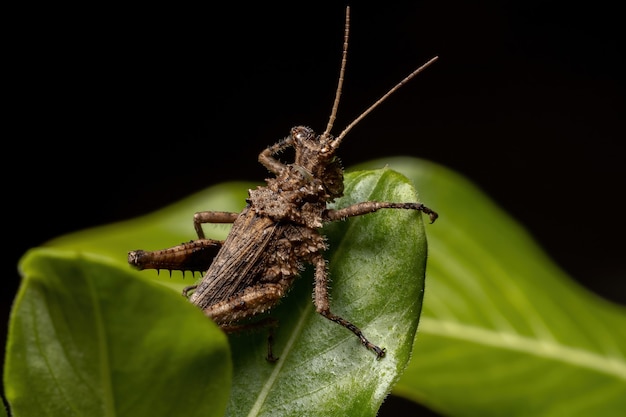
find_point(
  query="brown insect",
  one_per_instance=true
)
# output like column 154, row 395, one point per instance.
column 277, row 232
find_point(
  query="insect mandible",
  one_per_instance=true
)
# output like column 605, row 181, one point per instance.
column 278, row 230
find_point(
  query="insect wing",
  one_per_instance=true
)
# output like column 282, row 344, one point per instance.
column 239, row 263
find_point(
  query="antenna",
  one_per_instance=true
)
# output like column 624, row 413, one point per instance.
column 380, row 100
column 342, row 71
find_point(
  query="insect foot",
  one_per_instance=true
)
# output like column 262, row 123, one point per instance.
column 278, row 232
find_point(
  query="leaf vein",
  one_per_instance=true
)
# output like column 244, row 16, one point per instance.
column 267, row 386
column 544, row 348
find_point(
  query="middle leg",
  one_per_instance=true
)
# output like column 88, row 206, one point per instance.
column 322, row 306
column 212, row 217
column 366, row 207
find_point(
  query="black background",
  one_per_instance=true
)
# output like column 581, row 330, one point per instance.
column 119, row 111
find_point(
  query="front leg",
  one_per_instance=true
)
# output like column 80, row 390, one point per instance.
column 366, row 207
column 266, row 158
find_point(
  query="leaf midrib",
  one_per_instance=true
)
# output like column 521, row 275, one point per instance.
column 305, row 313
column 103, row 346
column 514, row 342
column 333, row 255
column 267, row 386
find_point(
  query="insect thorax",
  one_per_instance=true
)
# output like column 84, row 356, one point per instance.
column 295, row 195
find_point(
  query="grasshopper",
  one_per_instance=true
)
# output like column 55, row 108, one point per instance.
column 278, row 231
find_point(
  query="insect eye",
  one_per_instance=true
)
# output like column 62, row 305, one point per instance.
column 301, row 133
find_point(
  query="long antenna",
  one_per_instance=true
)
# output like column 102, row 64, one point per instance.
column 342, row 71
column 380, row 100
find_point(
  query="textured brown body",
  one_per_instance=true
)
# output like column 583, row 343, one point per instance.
column 277, row 233
column 261, row 259
column 266, row 247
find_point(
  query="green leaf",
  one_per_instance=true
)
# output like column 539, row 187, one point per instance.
column 504, row 332
column 322, row 367
column 87, row 338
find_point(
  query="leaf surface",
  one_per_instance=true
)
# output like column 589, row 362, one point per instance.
column 87, row 338
column 376, row 265
column 504, row 331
